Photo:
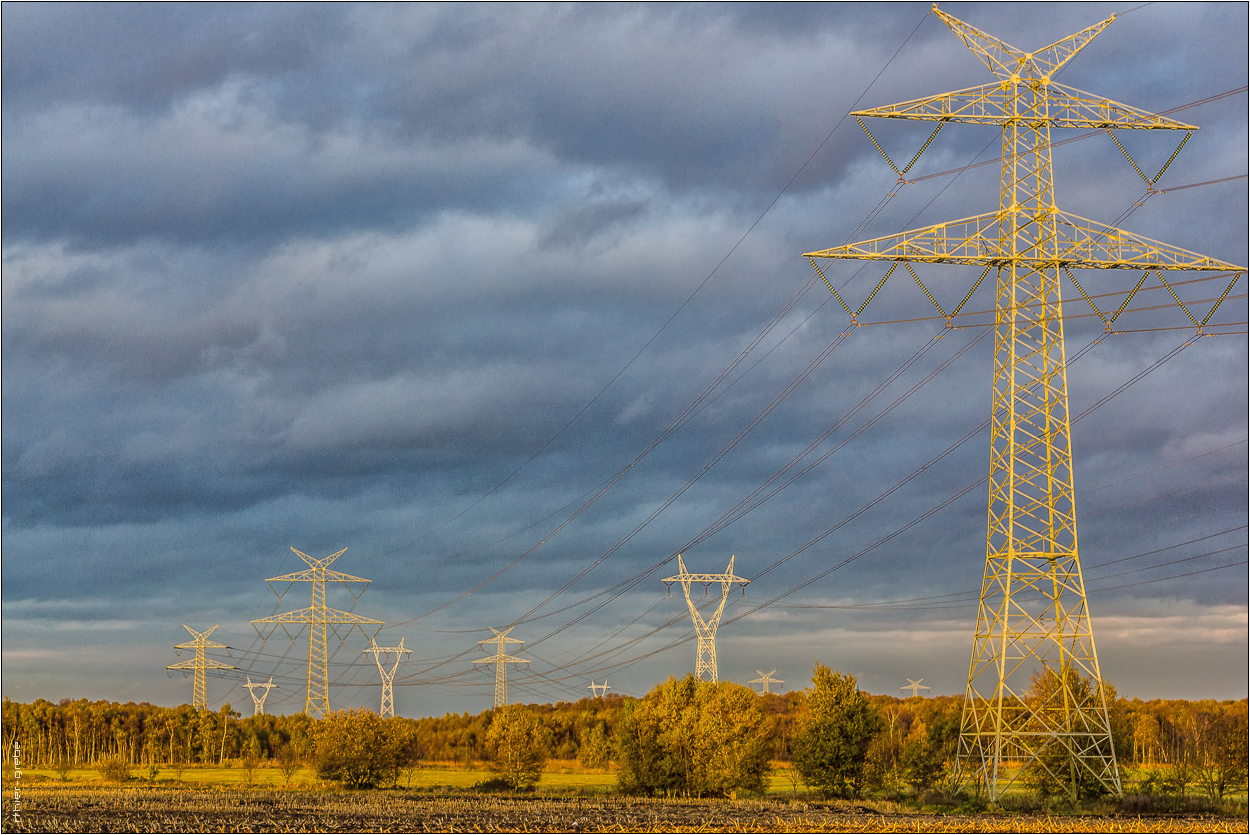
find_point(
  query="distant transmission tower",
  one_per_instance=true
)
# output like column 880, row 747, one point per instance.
column 258, row 702
column 598, row 690
column 388, row 703
column 199, row 695
column 705, row 657
column 501, row 660
column 764, row 680
column 914, row 686
column 1033, row 617
column 319, row 618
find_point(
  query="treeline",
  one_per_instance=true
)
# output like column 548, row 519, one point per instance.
column 685, row 736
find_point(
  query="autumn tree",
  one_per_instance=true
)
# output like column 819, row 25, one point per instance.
column 694, row 738
column 356, row 748
column 517, row 745
column 836, row 729
column 595, row 749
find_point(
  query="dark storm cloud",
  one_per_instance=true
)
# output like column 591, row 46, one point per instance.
column 333, row 275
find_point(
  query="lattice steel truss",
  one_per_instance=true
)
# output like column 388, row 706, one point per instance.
column 914, row 686
column 201, row 663
column 764, row 680
column 258, row 702
column 705, row 628
column 1034, row 694
column 320, row 619
column 501, row 660
column 388, row 677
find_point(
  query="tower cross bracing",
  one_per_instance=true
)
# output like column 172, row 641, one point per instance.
column 201, row 663
column 320, row 620
column 501, row 660
column 1034, row 694
column 388, row 676
column 705, row 628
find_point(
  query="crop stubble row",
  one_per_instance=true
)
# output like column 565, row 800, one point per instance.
column 171, row 810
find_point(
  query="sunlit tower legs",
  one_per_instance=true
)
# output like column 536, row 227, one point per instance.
column 258, row 702
column 199, row 695
column 598, row 690
column 320, row 620
column 388, row 702
column 705, row 628
column 1033, row 619
column 501, row 660
column 764, row 680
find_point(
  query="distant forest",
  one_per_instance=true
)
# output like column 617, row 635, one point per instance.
column 79, row 732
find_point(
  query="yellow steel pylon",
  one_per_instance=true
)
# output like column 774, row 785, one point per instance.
column 199, row 695
column 1034, row 695
column 501, row 660
column 320, row 619
column 705, row 628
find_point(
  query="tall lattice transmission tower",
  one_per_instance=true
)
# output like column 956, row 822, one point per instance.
column 764, row 680
column 201, row 663
column 388, row 676
column 705, row 628
column 914, row 686
column 1033, row 619
column 501, row 660
column 258, row 702
column 320, row 619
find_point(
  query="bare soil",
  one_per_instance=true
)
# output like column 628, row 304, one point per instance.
column 147, row 809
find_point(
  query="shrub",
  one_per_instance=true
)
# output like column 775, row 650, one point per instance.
column 115, row 770
column 356, row 749
column 517, row 744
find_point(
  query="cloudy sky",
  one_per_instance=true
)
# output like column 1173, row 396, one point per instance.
column 509, row 302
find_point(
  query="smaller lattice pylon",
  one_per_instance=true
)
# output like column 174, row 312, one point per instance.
column 598, row 690
column 501, row 660
column 705, row 657
column 914, row 686
column 764, row 680
column 388, row 702
column 199, row 695
column 258, row 702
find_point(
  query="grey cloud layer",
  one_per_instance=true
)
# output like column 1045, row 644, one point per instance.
column 326, row 275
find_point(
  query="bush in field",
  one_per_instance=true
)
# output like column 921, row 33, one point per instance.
column 835, row 731
column 694, row 738
column 595, row 750
column 357, row 749
column 115, row 770
column 517, row 745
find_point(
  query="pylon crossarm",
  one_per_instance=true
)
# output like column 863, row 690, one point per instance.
column 995, row 104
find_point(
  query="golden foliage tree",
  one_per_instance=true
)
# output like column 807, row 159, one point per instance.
column 518, row 744
column 357, row 749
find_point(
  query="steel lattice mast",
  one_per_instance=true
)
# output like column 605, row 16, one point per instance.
column 199, row 694
column 1033, row 616
column 914, row 686
column 705, row 628
column 320, row 619
column 258, row 702
column 764, row 680
column 388, row 701
column 501, row 660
